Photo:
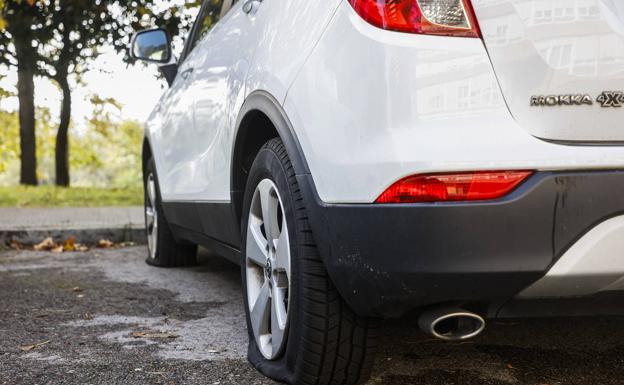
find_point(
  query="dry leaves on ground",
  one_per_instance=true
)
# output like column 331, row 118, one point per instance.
column 105, row 244
column 46, row 245
column 154, row 334
column 68, row 245
column 16, row 245
column 28, row 348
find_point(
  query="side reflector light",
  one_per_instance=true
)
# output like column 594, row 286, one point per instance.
column 429, row 17
column 474, row 186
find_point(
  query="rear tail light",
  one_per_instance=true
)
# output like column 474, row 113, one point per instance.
column 429, row 17
column 474, row 186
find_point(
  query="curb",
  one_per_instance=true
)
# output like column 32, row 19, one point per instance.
column 83, row 236
column 88, row 225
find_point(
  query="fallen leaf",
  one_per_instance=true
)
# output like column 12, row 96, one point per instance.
column 82, row 248
column 27, row 348
column 154, row 335
column 58, row 249
column 15, row 245
column 127, row 244
column 45, row 245
column 77, row 289
column 105, row 244
column 80, row 296
column 69, row 244
column 87, row 316
column 509, row 366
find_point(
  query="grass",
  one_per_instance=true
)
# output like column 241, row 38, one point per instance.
column 50, row 196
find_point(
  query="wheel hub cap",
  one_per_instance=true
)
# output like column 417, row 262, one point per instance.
column 267, row 264
column 151, row 215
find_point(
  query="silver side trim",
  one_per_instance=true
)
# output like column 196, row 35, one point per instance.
column 593, row 264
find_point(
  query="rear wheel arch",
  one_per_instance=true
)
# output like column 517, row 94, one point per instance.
column 261, row 118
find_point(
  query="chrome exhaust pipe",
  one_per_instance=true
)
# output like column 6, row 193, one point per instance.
column 451, row 324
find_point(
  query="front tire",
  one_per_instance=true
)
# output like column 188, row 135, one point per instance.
column 300, row 329
column 163, row 249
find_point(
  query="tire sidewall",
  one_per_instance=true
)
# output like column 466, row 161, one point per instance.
column 268, row 166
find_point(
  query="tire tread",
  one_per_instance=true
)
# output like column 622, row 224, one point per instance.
column 339, row 346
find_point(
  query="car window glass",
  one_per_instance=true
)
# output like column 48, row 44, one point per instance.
column 210, row 14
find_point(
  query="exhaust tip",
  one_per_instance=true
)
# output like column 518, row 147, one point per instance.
column 452, row 325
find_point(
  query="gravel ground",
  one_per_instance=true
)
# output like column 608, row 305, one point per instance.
column 104, row 317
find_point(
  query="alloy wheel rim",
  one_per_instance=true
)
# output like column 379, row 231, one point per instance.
column 267, row 264
column 151, row 216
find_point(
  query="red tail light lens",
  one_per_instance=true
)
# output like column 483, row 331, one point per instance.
column 429, row 17
column 476, row 186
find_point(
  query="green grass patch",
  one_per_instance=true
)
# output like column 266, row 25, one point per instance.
column 50, row 196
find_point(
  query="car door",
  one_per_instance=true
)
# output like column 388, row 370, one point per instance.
column 178, row 163
column 204, row 98
column 218, row 93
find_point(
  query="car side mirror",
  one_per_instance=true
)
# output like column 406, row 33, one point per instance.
column 154, row 46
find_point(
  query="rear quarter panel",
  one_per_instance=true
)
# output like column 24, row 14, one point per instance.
column 371, row 106
column 290, row 32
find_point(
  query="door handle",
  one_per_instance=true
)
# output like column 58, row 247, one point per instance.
column 187, row 73
column 250, row 7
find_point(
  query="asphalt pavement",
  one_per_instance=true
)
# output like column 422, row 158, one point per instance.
column 105, row 317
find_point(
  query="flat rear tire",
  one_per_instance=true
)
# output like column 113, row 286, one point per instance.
column 300, row 330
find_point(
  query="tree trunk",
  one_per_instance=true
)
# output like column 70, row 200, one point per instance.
column 62, row 142
column 28, row 142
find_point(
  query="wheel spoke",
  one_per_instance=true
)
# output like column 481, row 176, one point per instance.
column 151, row 191
column 278, row 319
column 282, row 253
column 149, row 214
column 267, row 269
column 256, row 244
column 260, row 312
column 269, row 204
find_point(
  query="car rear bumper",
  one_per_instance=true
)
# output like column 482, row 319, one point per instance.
column 388, row 259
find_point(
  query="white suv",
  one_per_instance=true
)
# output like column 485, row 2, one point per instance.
column 365, row 158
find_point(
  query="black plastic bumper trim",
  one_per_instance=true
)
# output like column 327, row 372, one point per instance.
column 388, row 259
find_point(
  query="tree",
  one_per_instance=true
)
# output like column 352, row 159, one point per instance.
column 21, row 32
column 57, row 39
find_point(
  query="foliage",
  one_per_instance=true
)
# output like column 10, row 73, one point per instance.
column 68, row 33
column 50, row 196
column 109, row 152
column 105, row 154
column 57, row 39
column 9, row 139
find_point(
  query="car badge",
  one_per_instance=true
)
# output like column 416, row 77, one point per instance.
column 611, row 99
column 561, row 100
column 607, row 99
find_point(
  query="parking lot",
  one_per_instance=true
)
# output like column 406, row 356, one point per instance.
column 104, row 317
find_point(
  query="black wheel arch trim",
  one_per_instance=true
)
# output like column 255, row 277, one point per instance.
column 267, row 104
column 263, row 102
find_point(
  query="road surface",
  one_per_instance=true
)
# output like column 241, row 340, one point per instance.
column 105, row 317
